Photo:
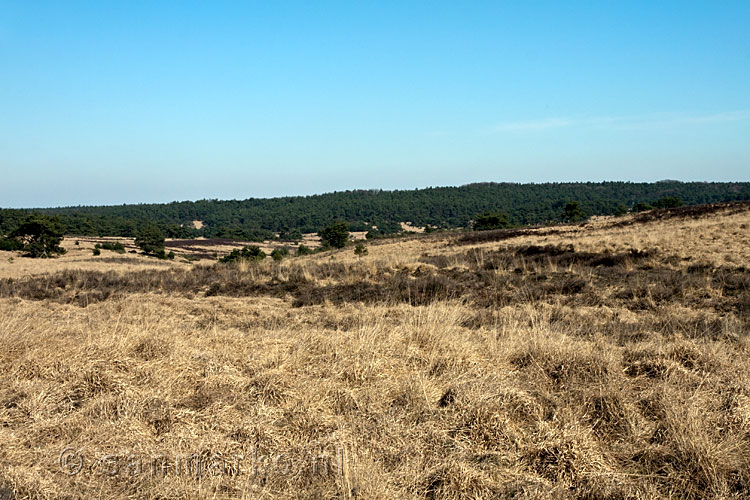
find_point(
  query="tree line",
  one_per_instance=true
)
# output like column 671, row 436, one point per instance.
column 377, row 211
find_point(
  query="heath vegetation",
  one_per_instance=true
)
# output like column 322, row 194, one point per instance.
column 605, row 359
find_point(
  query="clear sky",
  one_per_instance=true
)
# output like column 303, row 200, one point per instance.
column 107, row 102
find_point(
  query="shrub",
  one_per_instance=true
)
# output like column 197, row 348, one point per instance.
column 335, row 235
column 115, row 247
column 251, row 252
column 642, row 207
column 304, row 250
column 360, row 250
column 279, row 253
column 97, row 251
column 668, row 202
column 10, row 244
column 490, row 220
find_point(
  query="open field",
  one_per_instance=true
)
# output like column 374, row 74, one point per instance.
column 607, row 360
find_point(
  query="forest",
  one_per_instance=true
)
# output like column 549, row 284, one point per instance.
column 256, row 219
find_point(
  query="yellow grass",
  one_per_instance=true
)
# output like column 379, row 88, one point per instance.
column 551, row 397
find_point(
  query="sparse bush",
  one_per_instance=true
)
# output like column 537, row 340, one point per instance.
column 360, row 250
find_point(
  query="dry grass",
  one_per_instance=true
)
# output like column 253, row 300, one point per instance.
column 605, row 361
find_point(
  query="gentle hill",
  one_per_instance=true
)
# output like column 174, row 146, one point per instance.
column 444, row 207
column 599, row 360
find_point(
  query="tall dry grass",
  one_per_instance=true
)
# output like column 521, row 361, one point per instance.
column 596, row 363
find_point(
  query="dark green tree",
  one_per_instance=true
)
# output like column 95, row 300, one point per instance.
column 40, row 236
column 304, row 250
column 251, row 252
column 150, row 239
column 490, row 220
column 335, row 235
column 668, row 202
column 572, row 212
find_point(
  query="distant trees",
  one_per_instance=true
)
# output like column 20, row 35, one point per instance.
column 150, row 239
column 335, row 235
column 572, row 212
column 248, row 253
column 261, row 219
column 39, row 236
column 490, row 220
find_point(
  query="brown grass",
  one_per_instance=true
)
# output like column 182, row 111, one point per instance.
column 600, row 361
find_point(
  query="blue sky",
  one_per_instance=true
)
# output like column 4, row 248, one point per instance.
column 140, row 101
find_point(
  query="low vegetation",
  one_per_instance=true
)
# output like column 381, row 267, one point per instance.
column 599, row 360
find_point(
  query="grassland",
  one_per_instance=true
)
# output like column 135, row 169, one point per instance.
column 609, row 360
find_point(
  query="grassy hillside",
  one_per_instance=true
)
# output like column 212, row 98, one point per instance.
column 601, row 361
column 447, row 207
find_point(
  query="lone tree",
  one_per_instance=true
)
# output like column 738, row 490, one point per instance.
column 151, row 240
column 335, row 235
column 40, row 236
column 573, row 212
column 490, row 220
